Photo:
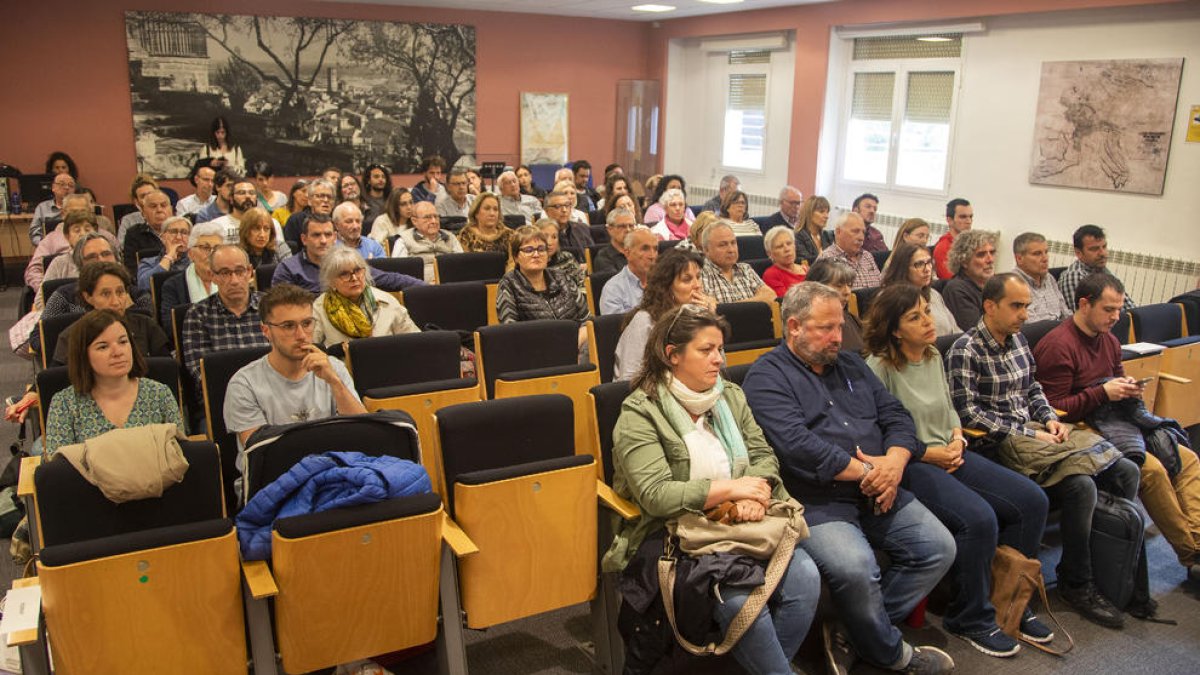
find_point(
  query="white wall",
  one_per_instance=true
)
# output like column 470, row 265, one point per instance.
column 993, row 139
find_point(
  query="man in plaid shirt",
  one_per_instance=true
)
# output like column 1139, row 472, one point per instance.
column 228, row 319
column 723, row 276
column 848, row 238
column 991, row 371
column 1091, row 257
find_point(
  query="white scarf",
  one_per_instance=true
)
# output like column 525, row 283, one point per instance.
column 695, row 402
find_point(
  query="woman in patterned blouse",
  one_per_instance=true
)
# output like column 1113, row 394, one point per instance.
column 485, row 231
column 108, row 390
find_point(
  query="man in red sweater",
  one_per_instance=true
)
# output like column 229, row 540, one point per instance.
column 1079, row 368
column 959, row 216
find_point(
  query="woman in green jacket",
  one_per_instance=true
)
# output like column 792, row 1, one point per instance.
column 685, row 442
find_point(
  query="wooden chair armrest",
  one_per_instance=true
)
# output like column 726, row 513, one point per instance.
column 25, row 636
column 1060, row 412
column 1175, row 379
column 25, row 478
column 974, row 433
column 458, row 540
column 198, row 437
column 259, row 579
column 616, row 503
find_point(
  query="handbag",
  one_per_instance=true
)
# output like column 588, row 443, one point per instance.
column 773, row 538
column 1014, row 580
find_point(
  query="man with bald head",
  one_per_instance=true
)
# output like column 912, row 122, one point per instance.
column 790, row 201
column 512, row 202
column 348, row 221
column 725, row 278
column 848, row 237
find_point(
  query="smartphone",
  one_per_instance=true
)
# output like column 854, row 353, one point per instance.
column 1145, row 381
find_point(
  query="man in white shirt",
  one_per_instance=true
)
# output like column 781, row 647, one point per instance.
column 624, row 291
column 202, row 178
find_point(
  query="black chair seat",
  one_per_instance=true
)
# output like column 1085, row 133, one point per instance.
column 413, row 266
column 607, row 328
column 419, row 388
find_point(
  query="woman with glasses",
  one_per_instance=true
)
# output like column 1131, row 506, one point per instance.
column 811, row 235
column 105, row 286
column 531, row 290
column 350, row 307
column 735, row 208
column 485, row 231
column 174, row 235
column 396, row 216
column 196, row 283
column 911, row 264
column 256, row 236
column 656, row 206
column 674, row 281
column 686, row 442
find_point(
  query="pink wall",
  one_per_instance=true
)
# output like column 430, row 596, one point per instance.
column 812, row 24
column 80, row 50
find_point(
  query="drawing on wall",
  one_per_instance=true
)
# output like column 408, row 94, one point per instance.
column 1105, row 125
column 543, row 128
column 300, row 93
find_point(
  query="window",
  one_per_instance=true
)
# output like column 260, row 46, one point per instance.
column 745, row 127
column 900, row 113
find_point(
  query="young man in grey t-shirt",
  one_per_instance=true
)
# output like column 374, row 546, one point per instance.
column 296, row 381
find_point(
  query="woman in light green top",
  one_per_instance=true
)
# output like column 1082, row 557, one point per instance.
column 988, row 503
column 685, row 442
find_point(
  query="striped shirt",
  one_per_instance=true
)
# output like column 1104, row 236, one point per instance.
column 866, row 273
column 993, row 386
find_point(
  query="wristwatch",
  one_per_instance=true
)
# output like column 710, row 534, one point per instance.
column 867, row 467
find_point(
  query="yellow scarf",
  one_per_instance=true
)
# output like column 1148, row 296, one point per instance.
column 348, row 316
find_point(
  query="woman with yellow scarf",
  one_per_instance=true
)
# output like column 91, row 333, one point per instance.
column 350, row 307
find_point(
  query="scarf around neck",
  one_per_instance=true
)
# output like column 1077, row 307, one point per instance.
column 676, row 400
column 353, row 319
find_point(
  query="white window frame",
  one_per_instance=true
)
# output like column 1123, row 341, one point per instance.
column 901, row 68
column 763, row 69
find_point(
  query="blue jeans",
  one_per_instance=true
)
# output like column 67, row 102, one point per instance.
column 979, row 503
column 768, row 646
column 868, row 603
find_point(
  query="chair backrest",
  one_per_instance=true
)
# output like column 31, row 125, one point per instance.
column 448, row 306
column 50, row 329
column 880, row 257
column 216, row 369
column 122, row 210
column 667, row 245
column 409, row 358
column 482, row 266
column 596, row 217
column 1123, row 329
column 737, row 374
column 51, row 285
column 945, row 342
column 762, row 222
column 387, row 432
column 1056, row 272
column 171, row 195
column 577, row 253
column 759, row 265
column 1037, row 330
column 1157, row 323
column 144, row 253
column 599, row 233
column 263, row 275
column 608, row 333
column 939, row 284
column 525, row 345
column 864, row 296
column 607, row 399
column 750, row 322
column 1191, row 309
column 751, row 247
column 178, row 316
column 491, row 435
column 47, row 259
column 413, row 266
column 598, row 280
column 71, row 509
column 156, row 285
column 50, row 381
column 515, row 220
column 453, row 223
column 25, row 303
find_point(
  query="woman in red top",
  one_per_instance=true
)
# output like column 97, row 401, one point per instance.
column 781, row 248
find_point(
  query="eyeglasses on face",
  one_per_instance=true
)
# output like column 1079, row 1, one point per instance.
column 322, row 196
column 240, row 271
column 102, row 255
column 922, row 264
column 177, row 232
column 533, row 250
column 357, row 272
column 291, row 326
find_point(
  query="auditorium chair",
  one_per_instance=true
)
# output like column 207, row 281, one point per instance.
column 156, row 285
column 413, row 266
column 607, row 329
column 49, row 329
column 263, row 274
column 50, row 381
column 1178, row 395
column 216, row 369
column 418, row 373
column 595, row 287
column 460, row 306
column 753, row 330
column 751, row 247
column 486, row 266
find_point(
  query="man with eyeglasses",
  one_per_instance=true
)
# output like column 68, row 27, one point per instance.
column 227, row 319
column 456, row 203
column 223, row 189
column 570, row 234
column 348, row 221
column 196, row 283
column 318, row 239
column 175, row 235
column 87, row 247
column 790, row 201
column 321, row 194
column 612, row 258
column 426, row 238
column 243, row 198
column 146, row 237
column 295, row 381
column 52, row 208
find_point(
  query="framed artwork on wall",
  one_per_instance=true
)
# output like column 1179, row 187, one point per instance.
column 544, row 128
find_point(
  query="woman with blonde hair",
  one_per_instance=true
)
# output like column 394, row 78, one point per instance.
column 485, row 230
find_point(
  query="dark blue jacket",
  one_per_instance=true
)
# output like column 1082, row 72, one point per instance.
column 815, row 423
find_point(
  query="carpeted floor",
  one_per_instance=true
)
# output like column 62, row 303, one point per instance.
column 559, row 642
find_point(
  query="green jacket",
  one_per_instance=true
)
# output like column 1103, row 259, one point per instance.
column 651, row 469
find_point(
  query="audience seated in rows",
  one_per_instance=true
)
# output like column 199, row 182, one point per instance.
column 222, row 200
column 89, row 247
column 395, row 217
column 790, row 201
column 847, row 246
column 456, row 203
column 77, row 220
column 1091, row 257
column 321, row 194
column 269, row 198
column 624, row 291
column 349, row 307
column 1046, row 301
column 656, row 210
column 728, row 185
column 626, row 201
column 843, row 443
column 784, row 272
column 981, row 502
column 377, row 187
column 485, row 229
column 62, row 185
column 571, row 233
column 297, row 201
column 724, row 277
column 425, row 239
column 430, row 188
column 1079, row 368
column 674, row 281
column 973, row 260
column 615, row 185
column 525, row 179
column 991, row 372
column 148, row 235
column 262, row 238
column 811, row 218
column 612, row 258
column 105, row 285
column 351, row 190
column 959, row 217
column 558, row 259
column 141, row 185
column 581, row 173
column 317, row 239
column 512, row 201
column 674, row 222
column 348, row 222
column 911, row 264
column 174, row 238
column 735, row 209
column 108, row 388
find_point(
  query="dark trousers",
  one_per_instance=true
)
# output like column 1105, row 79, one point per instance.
column 1076, row 496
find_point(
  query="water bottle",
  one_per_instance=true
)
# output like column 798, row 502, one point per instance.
column 16, row 202
column 3, row 196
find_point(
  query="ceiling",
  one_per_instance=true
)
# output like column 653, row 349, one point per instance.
column 599, row 9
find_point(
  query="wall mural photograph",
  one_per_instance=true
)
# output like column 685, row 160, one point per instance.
column 300, row 93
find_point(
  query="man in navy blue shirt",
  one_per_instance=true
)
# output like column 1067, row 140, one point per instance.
column 843, row 442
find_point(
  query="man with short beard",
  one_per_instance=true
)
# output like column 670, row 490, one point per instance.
column 223, row 190
column 972, row 258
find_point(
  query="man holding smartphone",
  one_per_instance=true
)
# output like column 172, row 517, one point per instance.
column 1079, row 368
